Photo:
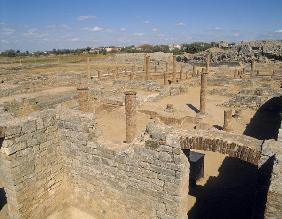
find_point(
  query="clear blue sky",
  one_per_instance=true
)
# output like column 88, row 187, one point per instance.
column 48, row 24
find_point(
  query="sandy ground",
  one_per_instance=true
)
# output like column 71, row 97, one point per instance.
column 214, row 116
column 214, row 113
column 70, row 213
column 213, row 161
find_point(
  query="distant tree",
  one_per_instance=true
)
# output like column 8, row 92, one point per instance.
column 177, row 51
column 9, row 53
column 88, row 49
column 196, row 47
column 178, row 58
column 103, row 51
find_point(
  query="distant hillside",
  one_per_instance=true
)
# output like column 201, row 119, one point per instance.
column 260, row 50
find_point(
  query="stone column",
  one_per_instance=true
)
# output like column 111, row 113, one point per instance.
column 155, row 67
column 194, row 70
column 235, row 73
column 240, row 73
column 99, row 74
column 204, row 83
column 166, row 66
column 208, row 63
column 117, row 69
column 181, row 72
column 131, row 73
column 186, row 74
column 114, row 72
column 88, row 68
column 197, row 73
column 165, row 78
column 147, row 71
column 203, row 70
column 273, row 73
column 257, row 72
column 253, row 65
column 83, row 98
column 131, row 115
column 227, row 120
column 173, row 68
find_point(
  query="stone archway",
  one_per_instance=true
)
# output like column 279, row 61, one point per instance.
column 235, row 179
column 242, row 147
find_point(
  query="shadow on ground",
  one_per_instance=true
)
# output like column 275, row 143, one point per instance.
column 229, row 195
column 192, row 107
column 266, row 122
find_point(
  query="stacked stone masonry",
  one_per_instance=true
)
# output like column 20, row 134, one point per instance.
column 57, row 158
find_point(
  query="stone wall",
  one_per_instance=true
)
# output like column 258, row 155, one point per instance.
column 31, row 165
column 57, row 158
column 111, row 181
column 139, row 57
column 271, row 171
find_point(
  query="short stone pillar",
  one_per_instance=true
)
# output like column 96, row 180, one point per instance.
column 155, row 67
column 114, row 73
column 181, row 72
column 165, row 78
column 131, row 115
column 257, row 72
column 253, row 65
column 99, row 74
column 203, row 70
column 238, row 114
column 236, row 73
column 131, row 75
column 186, row 74
column 169, row 107
column 273, row 73
column 174, row 68
column 117, row 70
column 166, row 66
column 204, row 84
column 147, row 71
column 227, row 120
column 194, row 71
column 197, row 72
column 241, row 73
column 83, row 98
column 88, row 68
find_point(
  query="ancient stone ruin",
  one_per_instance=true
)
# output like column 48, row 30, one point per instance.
column 113, row 138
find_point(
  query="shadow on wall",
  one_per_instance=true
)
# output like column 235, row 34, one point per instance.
column 266, row 122
column 229, row 195
column 3, row 199
column 264, row 177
